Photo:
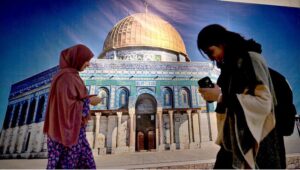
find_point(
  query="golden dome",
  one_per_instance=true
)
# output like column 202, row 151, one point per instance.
column 144, row 30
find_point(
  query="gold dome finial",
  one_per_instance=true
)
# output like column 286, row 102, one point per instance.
column 146, row 6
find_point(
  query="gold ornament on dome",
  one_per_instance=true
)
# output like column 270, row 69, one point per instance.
column 144, row 30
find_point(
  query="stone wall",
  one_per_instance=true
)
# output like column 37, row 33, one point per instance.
column 293, row 162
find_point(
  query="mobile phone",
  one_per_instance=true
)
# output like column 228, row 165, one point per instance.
column 205, row 82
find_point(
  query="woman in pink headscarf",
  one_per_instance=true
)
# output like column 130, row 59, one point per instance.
column 67, row 113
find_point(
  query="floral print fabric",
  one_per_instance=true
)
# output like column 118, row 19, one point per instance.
column 79, row 156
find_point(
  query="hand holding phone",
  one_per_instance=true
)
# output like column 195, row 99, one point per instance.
column 209, row 91
column 205, row 83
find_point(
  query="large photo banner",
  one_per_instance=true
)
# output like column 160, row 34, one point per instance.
column 33, row 33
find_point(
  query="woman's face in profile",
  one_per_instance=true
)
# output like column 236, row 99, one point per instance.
column 215, row 52
column 85, row 65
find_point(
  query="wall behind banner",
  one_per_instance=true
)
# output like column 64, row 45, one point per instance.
column 34, row 32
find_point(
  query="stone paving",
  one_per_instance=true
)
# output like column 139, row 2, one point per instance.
column 202, row 158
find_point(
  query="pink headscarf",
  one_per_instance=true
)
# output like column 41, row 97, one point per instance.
column 65, row 103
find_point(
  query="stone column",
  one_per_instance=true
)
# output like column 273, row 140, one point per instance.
column 161, row 134
column 33, row 128
column 45, row 107
column 25, row 127
column 11, row 116
column 37, row 99
column 199, row 120
column 2, row 137
column 14, row 144
column 172, row 144
column 2, row 140
column 27, row 112
column 22, row 129
column 119, row 129
column 196, row 129
column 38, row 143
column 39, row 137
column 8, row 131
column 132, row 131
column 189, row 112
column 96, row 135
column 44, row 147
column 192, row 144
column 19, row 114
column 6, row 140
column 157, row 132
column 208, row 120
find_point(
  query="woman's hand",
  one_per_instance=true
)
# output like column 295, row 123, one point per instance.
column 94, row 100
column 210, row 94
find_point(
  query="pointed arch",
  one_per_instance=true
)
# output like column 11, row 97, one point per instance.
column 146, row 104
column 185, row 97
column 123, row 97
column 104, row 93
column 167, row 97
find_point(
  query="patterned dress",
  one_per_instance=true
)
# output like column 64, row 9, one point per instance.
column 79, row 156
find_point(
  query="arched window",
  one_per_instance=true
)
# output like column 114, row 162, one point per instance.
column 103, row 93
column 123, row 98
column 185, row 97
column 168, row 97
